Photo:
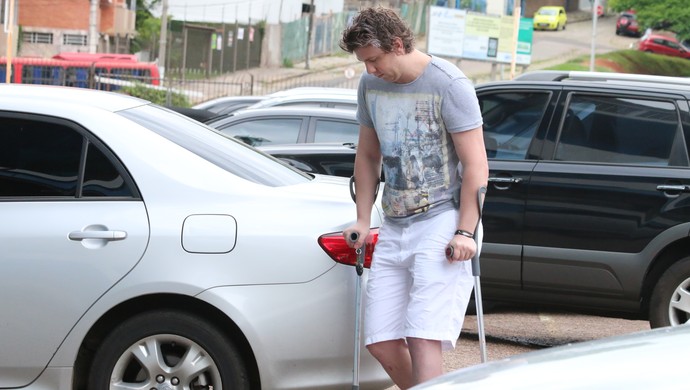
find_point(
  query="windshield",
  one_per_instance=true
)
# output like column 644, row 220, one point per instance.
column 230, row 154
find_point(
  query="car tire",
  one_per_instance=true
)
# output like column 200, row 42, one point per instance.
column 152, row 350
column 670, row 299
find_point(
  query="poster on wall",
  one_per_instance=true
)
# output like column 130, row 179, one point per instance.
column 447, row 34
column 459, row 34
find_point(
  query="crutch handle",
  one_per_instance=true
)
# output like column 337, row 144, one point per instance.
column 354, row 236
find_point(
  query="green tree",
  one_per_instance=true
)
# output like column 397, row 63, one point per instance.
column 147, row 35
column 147, row 26
column 671, row 15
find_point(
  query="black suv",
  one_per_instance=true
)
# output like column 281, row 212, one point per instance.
column 588, row 204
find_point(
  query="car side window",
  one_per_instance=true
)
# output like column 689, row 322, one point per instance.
column 336, row 131
column 621, row 130
column 510, row 121
column 265, row 131
column 43, row 159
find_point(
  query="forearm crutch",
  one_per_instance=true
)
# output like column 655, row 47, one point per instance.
column 359, row 268
column 476, row 272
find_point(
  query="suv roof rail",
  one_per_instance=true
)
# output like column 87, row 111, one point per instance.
column 557, row 75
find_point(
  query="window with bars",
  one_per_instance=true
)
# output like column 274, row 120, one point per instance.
column 38, row 37
column 74, row 39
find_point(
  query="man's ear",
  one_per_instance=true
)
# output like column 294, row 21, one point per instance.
column 398, row 47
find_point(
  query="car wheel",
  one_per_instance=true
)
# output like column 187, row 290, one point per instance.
column 167, row 349
column 670, row 302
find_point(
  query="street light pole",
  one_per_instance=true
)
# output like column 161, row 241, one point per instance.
column 595, row 8
column 9, row 30
column 163, row 43
column 93, row 26
column 309, row 32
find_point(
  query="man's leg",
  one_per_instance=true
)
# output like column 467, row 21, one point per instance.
column 427, row 358
column 395, row 359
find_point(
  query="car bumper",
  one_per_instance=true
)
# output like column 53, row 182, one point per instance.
column 314, row 350
column 545, row 26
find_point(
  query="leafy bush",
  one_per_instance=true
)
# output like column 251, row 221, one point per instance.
column 154, row 95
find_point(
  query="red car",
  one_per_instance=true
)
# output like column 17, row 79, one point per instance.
column 626, row 24
column 662, row 44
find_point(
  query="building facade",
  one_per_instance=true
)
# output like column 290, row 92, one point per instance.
column 49, row 27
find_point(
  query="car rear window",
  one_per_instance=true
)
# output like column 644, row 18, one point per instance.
column 230, row 154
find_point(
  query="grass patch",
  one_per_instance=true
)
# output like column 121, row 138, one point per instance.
column 630, row 61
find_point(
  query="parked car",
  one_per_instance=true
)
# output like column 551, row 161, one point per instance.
column 588, row 205
column 626, row 24
column 311, row 96
column 141, row 250
column 653, row 359
column 550, row 18
column 336, row 159
column 228, row 104
column 661, row 43
column 198, row 114
column 288, row 125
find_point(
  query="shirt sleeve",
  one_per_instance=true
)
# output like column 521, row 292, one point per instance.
column 460, row 106
column 363, row 112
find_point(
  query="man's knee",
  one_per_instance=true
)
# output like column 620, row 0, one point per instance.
column 387, row 348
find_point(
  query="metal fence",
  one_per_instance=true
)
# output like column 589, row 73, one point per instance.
column 242, row 84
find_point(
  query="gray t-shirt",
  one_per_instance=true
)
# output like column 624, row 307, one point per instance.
column 413, row 122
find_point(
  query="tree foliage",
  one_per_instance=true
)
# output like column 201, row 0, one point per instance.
column 671, row 15
column 148, row 26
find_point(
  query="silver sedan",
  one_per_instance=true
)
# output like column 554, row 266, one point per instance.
column 141, row 250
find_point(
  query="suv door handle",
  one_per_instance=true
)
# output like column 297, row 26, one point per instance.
column 108, row 235
column 504, row 183
column 673, row 188
column 505, row 180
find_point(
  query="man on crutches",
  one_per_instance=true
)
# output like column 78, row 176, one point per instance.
column 419, row 119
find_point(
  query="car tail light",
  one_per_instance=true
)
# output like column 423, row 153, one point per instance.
column 335, row 246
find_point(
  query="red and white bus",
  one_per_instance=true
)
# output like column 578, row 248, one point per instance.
column 81, row 70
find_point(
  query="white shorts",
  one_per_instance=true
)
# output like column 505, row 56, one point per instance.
column 412, row 289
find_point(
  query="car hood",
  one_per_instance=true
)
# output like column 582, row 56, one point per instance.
column 643, row 360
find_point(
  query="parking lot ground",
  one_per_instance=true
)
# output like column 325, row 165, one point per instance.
column 511, row 331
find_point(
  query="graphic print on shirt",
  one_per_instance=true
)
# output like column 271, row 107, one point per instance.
column 415, row 148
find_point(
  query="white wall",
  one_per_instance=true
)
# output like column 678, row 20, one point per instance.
column 229, row 11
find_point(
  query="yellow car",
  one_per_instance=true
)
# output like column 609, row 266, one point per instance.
column 550, row 18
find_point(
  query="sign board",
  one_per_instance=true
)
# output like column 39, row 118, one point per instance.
column 458, row 34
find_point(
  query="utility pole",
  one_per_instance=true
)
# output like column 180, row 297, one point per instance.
column 93, row 27
column 517, row 14
column 595, row 16
column 163, row 43
column 9, row 30
column 309, row 32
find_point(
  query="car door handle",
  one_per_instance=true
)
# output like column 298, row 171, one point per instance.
column 108, row 235
column 673, row 188
column 504, row 183
column 505, row 180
